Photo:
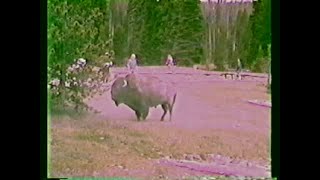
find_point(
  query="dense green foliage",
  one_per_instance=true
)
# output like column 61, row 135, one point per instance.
column 260, row 43
column 192, row 31
column 74, row 30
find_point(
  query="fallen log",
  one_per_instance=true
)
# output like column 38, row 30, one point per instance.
column 244, row 75
column 260, row 103
column 226, row 74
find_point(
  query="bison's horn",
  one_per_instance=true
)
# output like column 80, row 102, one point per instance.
column 125, row 83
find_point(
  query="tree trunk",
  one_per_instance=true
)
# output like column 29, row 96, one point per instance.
column 213, row 24
column 210, row 45
column 110, row 26
column 269, row 74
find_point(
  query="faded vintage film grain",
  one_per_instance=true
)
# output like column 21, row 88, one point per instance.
column 159, row 89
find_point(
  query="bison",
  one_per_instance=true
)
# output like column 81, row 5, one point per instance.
column 142, row 92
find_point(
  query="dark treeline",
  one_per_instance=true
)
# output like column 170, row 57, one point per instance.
column 190, row 30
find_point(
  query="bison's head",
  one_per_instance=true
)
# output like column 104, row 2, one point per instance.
column 119, row 90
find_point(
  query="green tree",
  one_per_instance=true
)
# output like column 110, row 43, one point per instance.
column 136, row 17
column 187, row 31
column 74, row 30
column 119, row 26
column 243, row 35
column 261, row 29
column 159, row 28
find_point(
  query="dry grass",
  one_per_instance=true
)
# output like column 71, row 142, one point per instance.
column 87, row 147
column 81, row 148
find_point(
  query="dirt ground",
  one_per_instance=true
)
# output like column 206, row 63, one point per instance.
column 213, row 131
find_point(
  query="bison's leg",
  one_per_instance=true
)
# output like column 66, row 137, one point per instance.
column 138, row 114
column 170, row 110
column 145, row 113
column 171, row 105
column 165, row 108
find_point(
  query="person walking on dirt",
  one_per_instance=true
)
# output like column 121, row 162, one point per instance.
column 170, row 63
column 132, row 63
column 239, row 68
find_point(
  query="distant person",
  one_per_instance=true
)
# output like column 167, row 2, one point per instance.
column 239, row 68
column 132, row 63
column 170, row 63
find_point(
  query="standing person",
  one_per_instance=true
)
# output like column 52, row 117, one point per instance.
column 132, row 63
column 239, row 69
column 170, row 63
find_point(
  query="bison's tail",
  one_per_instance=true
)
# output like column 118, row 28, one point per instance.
column 171, row 106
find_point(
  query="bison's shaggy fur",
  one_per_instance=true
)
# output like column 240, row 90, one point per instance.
column 142, row 92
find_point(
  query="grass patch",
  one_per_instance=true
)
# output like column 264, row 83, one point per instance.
column 58, row 113
column 83, row 148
